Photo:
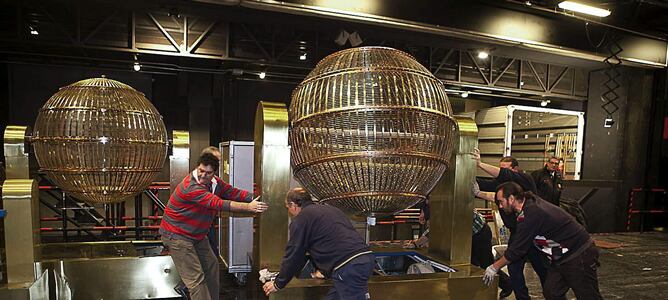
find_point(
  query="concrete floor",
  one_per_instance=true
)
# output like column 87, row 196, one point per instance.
column 636, row 270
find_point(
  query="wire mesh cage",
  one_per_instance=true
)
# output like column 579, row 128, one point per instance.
column 100, row 140
column 371, row 131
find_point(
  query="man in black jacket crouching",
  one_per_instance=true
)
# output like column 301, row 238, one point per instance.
column 336, row 249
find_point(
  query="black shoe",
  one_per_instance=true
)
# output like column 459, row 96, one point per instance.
column 505, row 293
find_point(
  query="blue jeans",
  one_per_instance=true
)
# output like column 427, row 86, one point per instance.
column 351, row 280
column 516, row 272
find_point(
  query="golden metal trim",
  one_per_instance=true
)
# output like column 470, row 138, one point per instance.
column 369, row 154
column 20, row 197
column 272, row 176
column 370, row 108
column 368, row 194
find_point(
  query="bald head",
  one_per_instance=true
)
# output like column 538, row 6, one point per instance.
column 299, row 196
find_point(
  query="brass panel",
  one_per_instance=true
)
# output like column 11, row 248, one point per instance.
column 464, row 284
column 179, row 161
column 88, row 250
column 152, row 277
column 16, row 157
column 371, row 131
column 20, row 198
column 451, row 204
column 272, row 176
column 100, row 140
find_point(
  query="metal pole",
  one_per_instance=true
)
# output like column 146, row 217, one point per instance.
column 138, row 216
column 64, row 213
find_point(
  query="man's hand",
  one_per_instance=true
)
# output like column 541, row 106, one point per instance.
column 476, row 155
column 317, row 274
column 488, row 277
column 257, row 206
column 269, row 288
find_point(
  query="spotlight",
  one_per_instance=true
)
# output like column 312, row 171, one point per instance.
column 262, row 75
column 303, row 56
column 33, row 30
column 521, row 83
column 483, row 55
column 544, row 103
column 583, row 8
column 465, row 94
column 136, row 66
column 527, row 3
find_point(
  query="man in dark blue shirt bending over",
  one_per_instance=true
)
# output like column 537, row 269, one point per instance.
column 336, row 249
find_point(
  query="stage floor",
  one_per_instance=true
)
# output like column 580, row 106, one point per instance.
column 633, row 266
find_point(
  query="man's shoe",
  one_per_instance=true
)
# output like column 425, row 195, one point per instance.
column 505, row 293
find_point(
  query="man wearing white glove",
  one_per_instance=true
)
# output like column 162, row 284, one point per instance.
column 488, row 277
column 571, row 251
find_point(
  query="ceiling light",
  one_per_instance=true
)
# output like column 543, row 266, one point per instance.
column 544, row 103
column 483, row 55
column 136, row 66
column 33, row 31
column 303, row 56
column 262, row 75
column 528, row 3
column 585, row 9
column 465, row 94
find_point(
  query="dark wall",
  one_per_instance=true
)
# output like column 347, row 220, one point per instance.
column 32, row 85
column 615, row 158
column 603, row 146
column 239, row 104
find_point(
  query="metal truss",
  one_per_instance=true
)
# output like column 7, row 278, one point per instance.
column 503, row 74
column 85, row 29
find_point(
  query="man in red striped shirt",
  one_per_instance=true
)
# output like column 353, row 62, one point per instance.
column 186, row 222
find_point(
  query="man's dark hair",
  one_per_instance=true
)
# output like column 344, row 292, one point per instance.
column 511, row 160
column 299, row 196
column 513, row 189
column 210, row 149
column 208, row 159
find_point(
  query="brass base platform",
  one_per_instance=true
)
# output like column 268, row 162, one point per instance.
column 465, row 283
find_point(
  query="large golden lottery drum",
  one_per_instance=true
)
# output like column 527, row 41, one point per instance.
column 100, row 140
column 371, row 131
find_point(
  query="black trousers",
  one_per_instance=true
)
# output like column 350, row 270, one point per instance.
column 481, row 254
column 351, row 280
column 579, row 274
column 516, row 269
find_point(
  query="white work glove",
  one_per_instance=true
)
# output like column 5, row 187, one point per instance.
column 488, row 277
column 266, row 276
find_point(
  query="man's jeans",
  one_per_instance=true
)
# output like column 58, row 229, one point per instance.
column 351, row 280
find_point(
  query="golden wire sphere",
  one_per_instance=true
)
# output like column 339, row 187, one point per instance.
column 100, row 140
column 371, row 131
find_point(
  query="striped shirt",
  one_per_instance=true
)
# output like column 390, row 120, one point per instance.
column 478, row 222
column 192, row 208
